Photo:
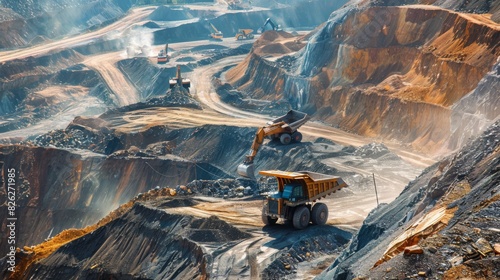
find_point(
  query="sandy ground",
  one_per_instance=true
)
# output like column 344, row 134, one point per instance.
column 105, row 64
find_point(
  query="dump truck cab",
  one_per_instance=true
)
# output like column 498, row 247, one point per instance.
column 297, row 195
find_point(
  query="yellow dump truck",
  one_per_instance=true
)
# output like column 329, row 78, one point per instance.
column 244, row 34
column 297, row 195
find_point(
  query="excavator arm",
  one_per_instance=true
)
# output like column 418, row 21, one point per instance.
column 213, row 27
column 273, row 25
column 246, row 169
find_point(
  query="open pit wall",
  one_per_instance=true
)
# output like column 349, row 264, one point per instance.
column 393, row 72
column 25, row 24
column 466, row 186
column 59, row 189
column 307, row 14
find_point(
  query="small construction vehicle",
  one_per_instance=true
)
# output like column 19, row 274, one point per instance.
column 297, row 195
column 283, row 128
column 216, row 35
column 179, row 81
column 274, row 26
column 163, row 55
column 237, row 5
column 243, row 34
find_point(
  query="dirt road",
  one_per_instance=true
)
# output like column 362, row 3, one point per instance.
column 135, row 16
column 105, row 64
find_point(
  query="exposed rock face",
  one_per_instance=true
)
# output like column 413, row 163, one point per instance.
column 33, row 20
column 466, row 186
column 36, row 88
column 60, row 189
column 477, row 110
column 479, row 7
column 365, row 67
column 297, row 15
column 166, row 246
column 33, row 70
column 148, row 79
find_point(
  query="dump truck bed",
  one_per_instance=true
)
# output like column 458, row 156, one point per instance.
column 293, row 120
column 317, row 185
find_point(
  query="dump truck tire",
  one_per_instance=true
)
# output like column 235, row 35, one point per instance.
column 240, row 37
column 301, row 217
column 319, row 214
column 267, row 220
column 297, row 136
column 285, row 138
column 250, row 36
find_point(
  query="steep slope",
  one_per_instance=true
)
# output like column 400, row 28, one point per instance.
column 473, row 113
column 451, row 212
column 166, row 246
column 300, row 15
column 368, row 65
column 60, row 189
column 33, row 22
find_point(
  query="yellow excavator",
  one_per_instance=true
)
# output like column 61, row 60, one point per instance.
column 283, row 128
column 216, row 35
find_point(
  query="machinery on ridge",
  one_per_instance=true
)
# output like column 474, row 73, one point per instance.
column 244, row 34
column 216, row 35
column 179, row 81
column 274, row 26
column 283, row 128
column 238, row 5
column 163, row 56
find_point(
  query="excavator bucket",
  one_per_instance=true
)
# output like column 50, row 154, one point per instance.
column 246, row 170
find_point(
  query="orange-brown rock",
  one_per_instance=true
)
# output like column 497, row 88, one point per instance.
column 415, row 249
column 393, row 72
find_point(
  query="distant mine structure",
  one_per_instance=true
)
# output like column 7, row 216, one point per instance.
column 270, row 22
column 244, row 34
column 163, row 56
column 216, row 34
column 238, row 5
column 179, row 82
column 137, row 51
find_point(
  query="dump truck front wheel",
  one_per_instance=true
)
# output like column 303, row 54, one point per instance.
column 285, row 138
column 267, row 220
column 319, row 214
column 297, row 136
column 301, row 217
